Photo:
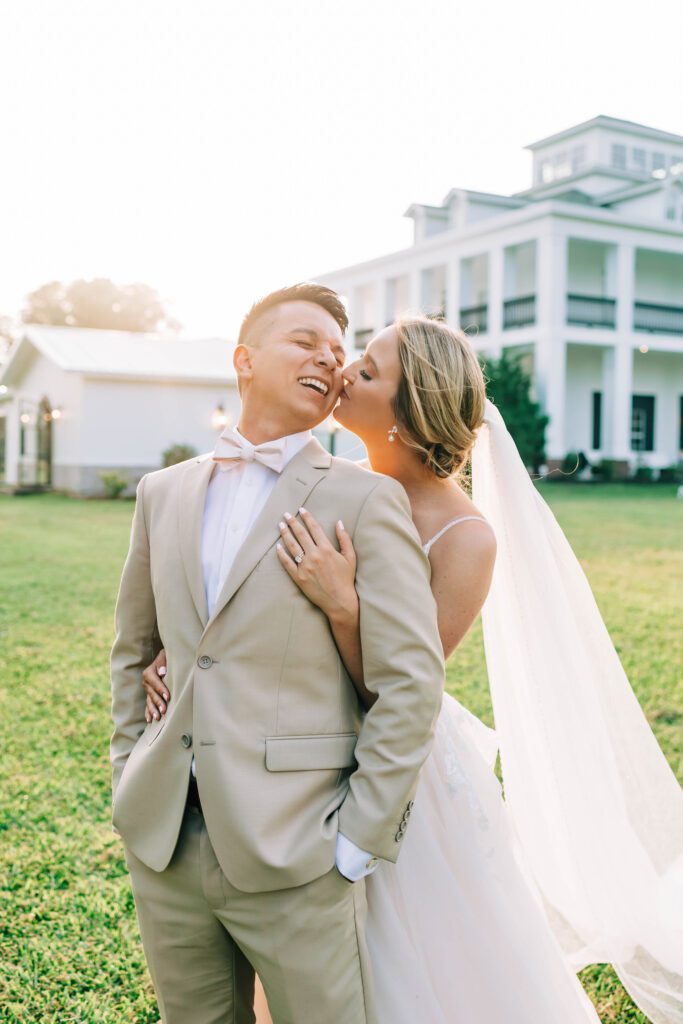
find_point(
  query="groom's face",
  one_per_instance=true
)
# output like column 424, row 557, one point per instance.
column 290, row 367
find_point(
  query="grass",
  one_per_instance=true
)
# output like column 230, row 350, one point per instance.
column 68, row 938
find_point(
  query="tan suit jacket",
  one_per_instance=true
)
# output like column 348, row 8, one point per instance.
column 285, row 755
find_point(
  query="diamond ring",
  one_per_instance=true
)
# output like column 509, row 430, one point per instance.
column 298, row 559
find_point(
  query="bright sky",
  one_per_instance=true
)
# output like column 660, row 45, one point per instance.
column 217, row 150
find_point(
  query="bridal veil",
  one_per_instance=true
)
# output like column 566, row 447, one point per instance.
column 597, row 810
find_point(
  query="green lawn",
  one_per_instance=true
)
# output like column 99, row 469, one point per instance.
column 68, row 936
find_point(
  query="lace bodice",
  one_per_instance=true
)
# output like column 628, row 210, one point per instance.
column 461, row 519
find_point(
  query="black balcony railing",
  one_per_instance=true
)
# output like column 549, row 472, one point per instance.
column 648, row 316
column 591, row 311
column 519, row 311
column 474, row 316
column 362, row 337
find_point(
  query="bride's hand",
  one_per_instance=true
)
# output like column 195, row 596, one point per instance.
column 157, row 692
column 325, row 575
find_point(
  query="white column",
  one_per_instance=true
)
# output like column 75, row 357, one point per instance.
column 380, row 305
column 415, row 290
column 495, row 296
column 550, row 357
column 617, row 389
column 453, row 293
column 620, row 363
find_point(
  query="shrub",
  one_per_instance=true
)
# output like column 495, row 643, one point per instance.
column 177, row 453
column 573, row 464
column 671, row 474
column 113, row 482
column 643, row 475
column 508, row 385
column 604, row 469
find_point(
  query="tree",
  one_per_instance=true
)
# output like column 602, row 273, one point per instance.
column 98, row 303
column 509, row 388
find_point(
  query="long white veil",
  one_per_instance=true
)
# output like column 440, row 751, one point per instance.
column 597, row 809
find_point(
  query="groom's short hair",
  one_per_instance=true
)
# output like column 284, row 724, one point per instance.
column 305, row 291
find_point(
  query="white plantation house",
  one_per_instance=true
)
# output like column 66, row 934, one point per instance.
column 75, row 402
column 581, row 274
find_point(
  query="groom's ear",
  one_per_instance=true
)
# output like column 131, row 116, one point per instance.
column 242, row 362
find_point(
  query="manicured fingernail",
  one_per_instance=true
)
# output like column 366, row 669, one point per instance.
column 303, row 511
column 167, row 696
column 279, row 547
column 288, row 516
column 281, row 525
column 162, row 671
column 341, row 525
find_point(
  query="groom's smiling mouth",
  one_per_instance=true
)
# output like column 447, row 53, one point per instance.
column 315, row 384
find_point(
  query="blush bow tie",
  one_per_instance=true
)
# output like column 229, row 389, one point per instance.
column 231, row 447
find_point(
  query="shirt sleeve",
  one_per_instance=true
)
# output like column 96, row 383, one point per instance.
column 352, row 862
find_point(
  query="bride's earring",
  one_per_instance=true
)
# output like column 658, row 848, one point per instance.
column 391, row 436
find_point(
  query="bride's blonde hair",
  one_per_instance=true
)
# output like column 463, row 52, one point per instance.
column 439, row 404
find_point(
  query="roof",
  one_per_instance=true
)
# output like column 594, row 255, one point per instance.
column 123, row 354
column 602, row 121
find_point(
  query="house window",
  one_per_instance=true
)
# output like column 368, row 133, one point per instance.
column 562, row 165
column 642, row 423
column 597, row 420
column 578, row 157
column 658, row 162
column 639, row 157
column 619, row 157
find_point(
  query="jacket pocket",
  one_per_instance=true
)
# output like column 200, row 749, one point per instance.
column 154, row 729
column 308, row 753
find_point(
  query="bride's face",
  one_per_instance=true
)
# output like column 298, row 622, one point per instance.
column 366, row 406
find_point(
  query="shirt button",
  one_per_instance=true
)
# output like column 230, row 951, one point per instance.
column 186, row 740
column 205, row 661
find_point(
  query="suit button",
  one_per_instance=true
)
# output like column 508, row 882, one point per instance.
column 186, row 739
column 402, row 827
column 204, row 661
column 411, row 804
column 399, row 836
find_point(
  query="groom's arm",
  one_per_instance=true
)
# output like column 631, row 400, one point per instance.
column 402, row 663
column 135, row 644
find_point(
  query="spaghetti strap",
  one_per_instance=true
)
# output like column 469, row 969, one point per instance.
column 461, row 519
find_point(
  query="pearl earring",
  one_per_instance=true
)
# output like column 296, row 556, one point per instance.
column 391, row 437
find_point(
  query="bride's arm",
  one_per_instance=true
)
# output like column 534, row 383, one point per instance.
column 327, row 578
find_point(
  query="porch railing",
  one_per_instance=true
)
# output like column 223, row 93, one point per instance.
column 658, row 319
column 519, row 311
column 591, row 311
column 474, row 316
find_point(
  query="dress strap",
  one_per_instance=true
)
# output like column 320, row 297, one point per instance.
column 461, row 519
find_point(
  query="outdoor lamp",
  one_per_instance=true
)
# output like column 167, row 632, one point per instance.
column 219, row 418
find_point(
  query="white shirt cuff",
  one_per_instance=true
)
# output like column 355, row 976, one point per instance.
column 352, row 862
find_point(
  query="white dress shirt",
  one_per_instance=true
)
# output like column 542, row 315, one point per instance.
column 237, row 492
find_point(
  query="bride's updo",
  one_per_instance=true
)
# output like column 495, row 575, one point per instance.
column 440, row 400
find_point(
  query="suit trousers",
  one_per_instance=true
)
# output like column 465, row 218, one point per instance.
column 203, row 940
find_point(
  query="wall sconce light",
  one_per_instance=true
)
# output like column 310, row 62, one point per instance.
column 644, row 349
column 25, row 418
column 57, row 413
column 220, row 418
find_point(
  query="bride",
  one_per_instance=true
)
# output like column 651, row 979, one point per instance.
column 495, row 904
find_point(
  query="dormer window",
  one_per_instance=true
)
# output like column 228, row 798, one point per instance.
column 619, row 156
column 658, row 162
column 639, row 157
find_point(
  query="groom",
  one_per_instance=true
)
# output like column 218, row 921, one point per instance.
column 252, row 811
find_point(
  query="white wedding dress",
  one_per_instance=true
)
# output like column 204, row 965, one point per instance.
column 456, row 928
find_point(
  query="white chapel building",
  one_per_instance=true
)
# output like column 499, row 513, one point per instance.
column 76, row 402
column 581, row 274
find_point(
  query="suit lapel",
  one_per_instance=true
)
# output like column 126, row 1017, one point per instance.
column 295, row 483
column 193, row 486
